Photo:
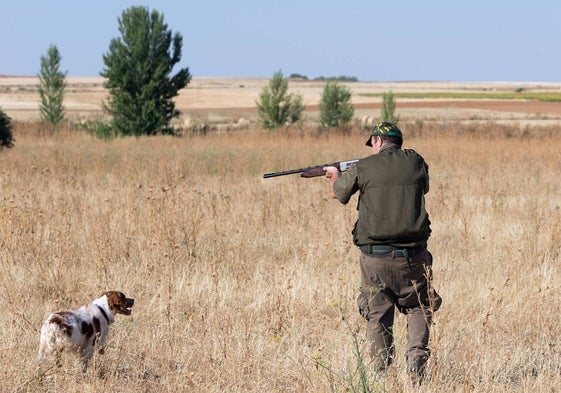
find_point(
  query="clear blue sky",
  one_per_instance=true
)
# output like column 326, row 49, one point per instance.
column 390, row 40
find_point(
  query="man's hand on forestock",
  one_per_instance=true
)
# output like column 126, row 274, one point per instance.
column 332, row 174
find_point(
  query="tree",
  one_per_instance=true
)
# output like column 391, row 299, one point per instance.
column 276, row 108
column 137, row 71
column 388, row 108
column 6, row 136
column 52, row 83
column 335, row 105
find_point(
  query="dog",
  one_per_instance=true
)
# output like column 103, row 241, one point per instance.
column 82, row 330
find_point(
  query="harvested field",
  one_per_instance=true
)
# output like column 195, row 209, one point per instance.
column 226, row 100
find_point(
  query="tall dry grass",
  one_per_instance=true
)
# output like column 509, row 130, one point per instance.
column 244, row 284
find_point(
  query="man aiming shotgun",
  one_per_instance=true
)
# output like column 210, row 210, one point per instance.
column 392, row 231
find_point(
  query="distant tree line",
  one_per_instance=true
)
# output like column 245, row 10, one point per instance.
column 298, row 76
column 341, row 78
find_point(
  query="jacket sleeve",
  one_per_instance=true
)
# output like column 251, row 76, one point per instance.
column 346, row 185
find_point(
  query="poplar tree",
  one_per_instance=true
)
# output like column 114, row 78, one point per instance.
column 276, row 107
column 52, row 83
column 138, row 70
column 335, row 105
column 388, row 108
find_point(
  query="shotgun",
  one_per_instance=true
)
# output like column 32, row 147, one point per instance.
column 313, row 171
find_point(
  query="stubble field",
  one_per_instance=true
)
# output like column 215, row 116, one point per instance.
column 245, row 284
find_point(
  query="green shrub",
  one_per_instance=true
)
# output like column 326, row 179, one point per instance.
column 6, row 135
column 99, row 129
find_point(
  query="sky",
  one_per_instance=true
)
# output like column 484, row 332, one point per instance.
column 372, row 40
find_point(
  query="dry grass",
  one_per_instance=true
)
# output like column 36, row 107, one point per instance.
column 244, row 284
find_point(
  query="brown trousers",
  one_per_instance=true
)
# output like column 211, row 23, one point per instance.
column 393, row 281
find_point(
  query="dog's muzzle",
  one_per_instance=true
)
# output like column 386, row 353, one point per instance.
column 129, row 302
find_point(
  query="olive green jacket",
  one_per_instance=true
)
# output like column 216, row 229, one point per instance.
column 391, row 203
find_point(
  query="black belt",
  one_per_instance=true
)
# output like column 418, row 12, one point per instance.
column 384, row 249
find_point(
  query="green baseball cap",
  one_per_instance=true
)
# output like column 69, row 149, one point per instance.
column 384, row 128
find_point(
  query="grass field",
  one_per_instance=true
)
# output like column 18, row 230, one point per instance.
column 249, row 285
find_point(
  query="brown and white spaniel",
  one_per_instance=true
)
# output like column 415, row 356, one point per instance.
column 81, row 330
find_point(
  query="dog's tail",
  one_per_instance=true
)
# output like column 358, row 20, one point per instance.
column 54, row 333
column 57, row 322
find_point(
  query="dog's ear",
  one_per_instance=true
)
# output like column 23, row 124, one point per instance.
column 113, row 294
column 116, row 297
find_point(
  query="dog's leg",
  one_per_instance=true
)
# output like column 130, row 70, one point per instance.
column 58, row 356
column 44, row 348
column 85, row 356
column 100, row 342
column 41, row 354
